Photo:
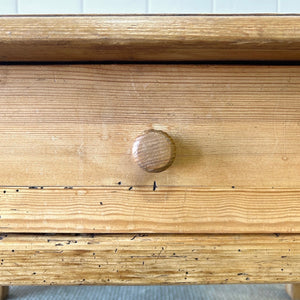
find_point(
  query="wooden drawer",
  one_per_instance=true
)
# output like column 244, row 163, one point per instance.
column 67, row 132
column 76, row 92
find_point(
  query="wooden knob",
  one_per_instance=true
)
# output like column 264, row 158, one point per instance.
column 154, row 151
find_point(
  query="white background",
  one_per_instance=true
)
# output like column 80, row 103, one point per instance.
column 147, row 6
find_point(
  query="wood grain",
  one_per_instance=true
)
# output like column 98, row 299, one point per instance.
column 154, row 151
column 150, row 38
column 123, row 209
column 75, row 125
column 132, row 259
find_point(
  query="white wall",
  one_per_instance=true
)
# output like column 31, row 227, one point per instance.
column 147, row 6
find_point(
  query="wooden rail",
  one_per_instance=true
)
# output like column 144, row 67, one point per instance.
column 148, row 259
column 150, row 38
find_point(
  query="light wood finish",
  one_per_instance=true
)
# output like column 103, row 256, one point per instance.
column 3, row 292
column 66, row 136
column 76, row 124
column 149, row 259
column 150, row 38
column 154, row 151
column 293, row 291
column 236, row 130
column 141, row 209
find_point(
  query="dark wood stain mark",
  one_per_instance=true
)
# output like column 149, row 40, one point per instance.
column 154, row 186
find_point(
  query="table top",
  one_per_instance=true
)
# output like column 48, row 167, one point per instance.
column 149, row 38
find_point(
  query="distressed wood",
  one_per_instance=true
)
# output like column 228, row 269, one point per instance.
column 3, row 292
column 236, row 130
column 168, row 209
column 148, row 259
column 66, row 136
column 76, row 124
column 150, row 38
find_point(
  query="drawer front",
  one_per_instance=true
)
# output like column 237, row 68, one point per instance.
column 67, row 133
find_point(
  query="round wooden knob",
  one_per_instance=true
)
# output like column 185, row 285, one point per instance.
column 154, row 151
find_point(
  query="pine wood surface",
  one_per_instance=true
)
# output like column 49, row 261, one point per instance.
column 67, row 132
column 75, row 125
column 140, row 209
column 150, row 38
column 133, row 259
column 236, row 130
